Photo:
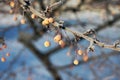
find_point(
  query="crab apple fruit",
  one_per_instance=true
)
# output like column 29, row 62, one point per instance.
column 75, row 62
column 61, row 43
column 47, row 43
column 3, row 59
column 23, row 21
column 79, row 52
column 11, row 11
column 51, row 20
column 85, row 58
column 8, row 54
column 57, row 38
column 33, row 16
column 45, row 22
column 15, row 18
column 12, row 4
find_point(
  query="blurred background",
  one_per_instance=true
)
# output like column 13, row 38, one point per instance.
column 28, row 59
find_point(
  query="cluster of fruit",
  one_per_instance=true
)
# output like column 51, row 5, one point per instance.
column 47, row 21
column 80, row 53
column 23, row 20
column 4, row 46
column 57, row 39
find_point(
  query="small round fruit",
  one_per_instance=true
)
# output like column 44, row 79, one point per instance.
column 11, row 11
column 46, row 43
column 3, row 59
column 7, row 54
column 33, row 16
column 45, row 22
column 61, row 43
column 76, row 62
column 12, row 4
column 15, row 18
column 80, row 52
column 51, row 20
column 85, row 58
column 23, row 21
column 57, row 38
